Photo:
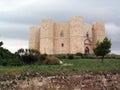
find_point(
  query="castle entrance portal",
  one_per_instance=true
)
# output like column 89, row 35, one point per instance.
column 87, row 51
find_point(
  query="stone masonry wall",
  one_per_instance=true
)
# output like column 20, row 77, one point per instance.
column 47, row 36
column 66, row 37
column 88, row 30
column 76, row 35
column 34, row 40
column 61, row 38
column 98, row 32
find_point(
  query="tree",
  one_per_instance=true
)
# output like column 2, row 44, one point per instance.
column 28, row 56
column 1, row 43
column 4, row 53
column 102, row 48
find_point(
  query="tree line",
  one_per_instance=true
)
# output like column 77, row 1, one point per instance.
column 30, row 56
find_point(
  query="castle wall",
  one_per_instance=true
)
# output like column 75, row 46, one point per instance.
column 66, row 37
column 47, row 36
column 34, row 41
column 98, row 32
column 76, row 35
column 87, row 29
column 61, row 38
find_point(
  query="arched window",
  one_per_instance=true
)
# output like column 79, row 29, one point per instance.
column 62, row 34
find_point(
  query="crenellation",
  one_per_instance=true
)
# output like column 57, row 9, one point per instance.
column 66, row 37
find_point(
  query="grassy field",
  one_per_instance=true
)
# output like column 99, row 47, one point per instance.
column 75, row 65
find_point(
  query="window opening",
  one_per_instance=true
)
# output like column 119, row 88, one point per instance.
column 62, row 45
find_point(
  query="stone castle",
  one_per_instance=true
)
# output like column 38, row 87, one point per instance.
column 66, row 37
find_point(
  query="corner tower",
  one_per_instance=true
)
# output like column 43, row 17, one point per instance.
column 34, row 35
column 98, row 29
column 76, row 34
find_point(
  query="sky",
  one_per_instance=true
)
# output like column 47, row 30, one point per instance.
column 17, row 16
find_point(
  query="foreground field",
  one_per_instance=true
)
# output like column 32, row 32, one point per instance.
column 76, row 74
column 73, row 66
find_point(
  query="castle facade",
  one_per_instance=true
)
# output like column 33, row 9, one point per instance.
column 66, row 37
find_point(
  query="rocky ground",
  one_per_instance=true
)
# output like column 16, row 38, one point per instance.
column 63, row 81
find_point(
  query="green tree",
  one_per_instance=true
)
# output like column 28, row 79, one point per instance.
column 1, row 43
column 102, row 48
column 29, row 56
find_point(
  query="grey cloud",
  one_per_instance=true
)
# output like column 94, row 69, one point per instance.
column 113, row 33
column 92, row 10
column 23, row 35
column 15, row 31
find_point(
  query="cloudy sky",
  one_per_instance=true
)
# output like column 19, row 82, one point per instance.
column 16, row 16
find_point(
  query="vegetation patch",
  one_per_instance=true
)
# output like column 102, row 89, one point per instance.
column 78, row 65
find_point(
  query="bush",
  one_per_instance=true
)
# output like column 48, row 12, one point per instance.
column 90, row 56
column 39, row 63
column 112, row 56
column 117, row 57
column 43, row 57
column 51, row 60
column 70, row 56
column 15, row 62
column 29, row 56
column 11, row 62
column 77, row 57
column 30, row 59
column 5, row 53
column 3, row 62
column 79, row 54
column 61, row 56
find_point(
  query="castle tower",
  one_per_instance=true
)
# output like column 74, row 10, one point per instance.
column 98, row 30
column 34, row 41
column 62, row 38
column 76, row 35
column 47, row 36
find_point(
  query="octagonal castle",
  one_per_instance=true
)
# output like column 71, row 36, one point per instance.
column 66, row 37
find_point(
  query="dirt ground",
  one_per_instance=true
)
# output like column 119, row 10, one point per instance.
column 81, row 81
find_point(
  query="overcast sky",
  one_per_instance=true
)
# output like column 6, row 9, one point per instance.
column 17, row 16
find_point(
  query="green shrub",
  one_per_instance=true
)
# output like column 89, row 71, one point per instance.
column 51, row 60
column 3, row 62
column 43, row 57
column 30, row 59
column 79, row 54
column 5, row 53
column 77, row 57
column 11, row 62
column 90, row 56
column 112, row 56
column 39, row 62
column 117, row 57
column 70, row 56
column 29, row 56
column 61, row 56
column 15, row 62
